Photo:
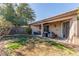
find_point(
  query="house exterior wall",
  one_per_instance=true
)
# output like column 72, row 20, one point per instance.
column 53, row 27
column 56, row 28
column 78, row 28
column 73, row 33
column 73, row 28
column 35, row 29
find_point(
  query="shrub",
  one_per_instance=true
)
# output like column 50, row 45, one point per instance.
column 21, row 41
column 28, row 30
column 5, row 26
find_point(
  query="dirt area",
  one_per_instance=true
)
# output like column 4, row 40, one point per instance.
column 2, row 43
column 39, row 49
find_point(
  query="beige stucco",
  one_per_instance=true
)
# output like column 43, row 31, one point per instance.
column 73, row 27
column 56, row 24
column 35, row 28
column 56, row 28
column 78, row 28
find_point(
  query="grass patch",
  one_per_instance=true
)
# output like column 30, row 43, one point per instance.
column 58, row 45
column 21, row 41
column 13, row 46
column 16, row 42
column 61, row 46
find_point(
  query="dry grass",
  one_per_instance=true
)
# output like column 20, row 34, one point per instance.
column 41, row 50
column 36, row 46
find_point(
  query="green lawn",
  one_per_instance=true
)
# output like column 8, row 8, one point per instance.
column 30, row 45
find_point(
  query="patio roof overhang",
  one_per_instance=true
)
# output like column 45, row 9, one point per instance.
column 60, row 17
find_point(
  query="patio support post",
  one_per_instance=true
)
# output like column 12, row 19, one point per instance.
column 41, row 29
column 62, row 30
column 73, row 30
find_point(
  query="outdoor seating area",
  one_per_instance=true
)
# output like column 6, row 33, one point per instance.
column 50, row 34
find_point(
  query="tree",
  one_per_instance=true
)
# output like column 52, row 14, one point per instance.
column 25, row 12
column 14, row 14
column 8, row 12
column 18, row 14
column 5, row 26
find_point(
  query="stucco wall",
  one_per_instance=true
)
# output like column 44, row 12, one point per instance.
column 73, row 27
column 56, row 28
column 35, row 28
column 78, row 28
column 74, row 31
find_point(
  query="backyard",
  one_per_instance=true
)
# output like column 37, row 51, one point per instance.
column 16, row 37
column 26, row 45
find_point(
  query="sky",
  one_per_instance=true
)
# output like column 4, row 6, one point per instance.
column 46, row 10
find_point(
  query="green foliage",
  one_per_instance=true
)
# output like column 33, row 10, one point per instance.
column 28, row 30
column 25, row 11
column 21, row 41
column 5, row 26
column 12, row 46
column 77, row 17
column 18, row 14
column 8, row 12
column 58, row 45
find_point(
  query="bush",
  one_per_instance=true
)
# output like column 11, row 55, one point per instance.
column 28, row 30
column 5, row 26
column 21, row 30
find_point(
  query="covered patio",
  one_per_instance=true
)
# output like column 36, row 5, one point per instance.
column 52, row 29
column 63, row 26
